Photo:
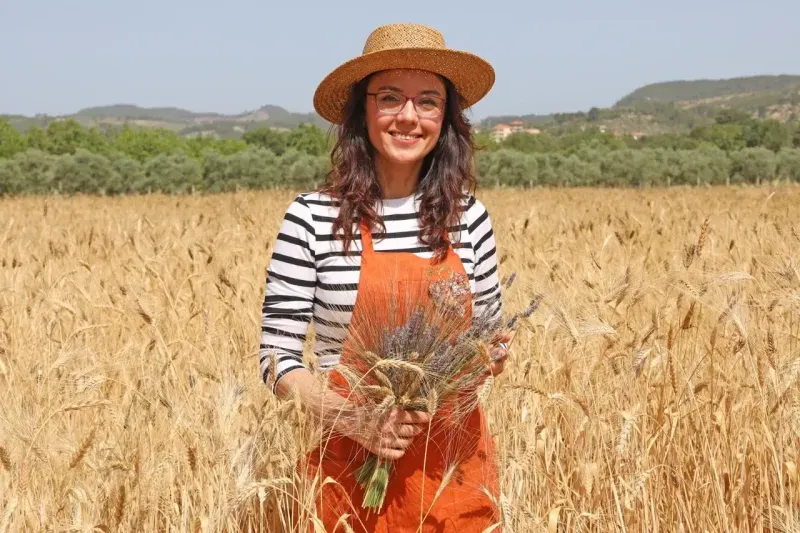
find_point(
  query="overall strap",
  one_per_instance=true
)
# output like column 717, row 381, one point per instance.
column 366, row 239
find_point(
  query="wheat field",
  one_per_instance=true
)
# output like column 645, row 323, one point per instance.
column 657, row 388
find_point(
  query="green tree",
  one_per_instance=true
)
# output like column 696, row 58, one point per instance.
column 97, row 142
column 37, row 170
column 770, row 134
column 648, row 168
column 620, row 168
column 704, row 166
column 128, row 173
column 230, row 146
column 671, row 165
column 66, row 136
column 145, row 144
column 269, row 138
column 171, row 174
column 528, row 143
column 83, row 173
column 11, row 141
column 732, row 116
column 595, row 138
column 12, row 180
column 308, row 139
column 505, row 167
column 484, row 142
column 670, row 141
column 789, row 164
column 254, row 168
column 754, row 165
column 306, row 171
column 574, row 171
column 727, row 136
column 198, row 146
column 36, row 138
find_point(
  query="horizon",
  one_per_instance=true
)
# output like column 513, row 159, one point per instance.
column 206, row 59
column 479, row 118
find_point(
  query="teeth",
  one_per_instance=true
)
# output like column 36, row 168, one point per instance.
column 401, row 136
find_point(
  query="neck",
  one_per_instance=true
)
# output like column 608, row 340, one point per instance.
column 397, row 180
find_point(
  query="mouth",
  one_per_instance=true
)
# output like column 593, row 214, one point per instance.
column 405, row 137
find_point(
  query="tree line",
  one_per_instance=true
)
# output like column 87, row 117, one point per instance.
column 68, row 158
column 730, row 130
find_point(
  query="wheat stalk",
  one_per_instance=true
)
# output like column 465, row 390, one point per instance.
column 83, row 449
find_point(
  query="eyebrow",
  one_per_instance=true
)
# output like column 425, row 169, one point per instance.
column 399, row 90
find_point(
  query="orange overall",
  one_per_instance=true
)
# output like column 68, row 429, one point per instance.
column 462, row 506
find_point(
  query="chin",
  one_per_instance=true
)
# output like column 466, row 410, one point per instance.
column 405, row 158
column 405, row 155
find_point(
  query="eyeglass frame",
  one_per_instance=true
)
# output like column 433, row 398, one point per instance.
column 405, row 101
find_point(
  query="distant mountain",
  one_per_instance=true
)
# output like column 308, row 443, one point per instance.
column 686, row 91
column 671, row 106
column 195, row 123
column 280, row 116
column 133, row 112
column 678, row 106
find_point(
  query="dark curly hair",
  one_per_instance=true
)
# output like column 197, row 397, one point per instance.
column 447, row 174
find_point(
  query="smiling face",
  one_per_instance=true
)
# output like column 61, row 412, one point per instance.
column 404, row 138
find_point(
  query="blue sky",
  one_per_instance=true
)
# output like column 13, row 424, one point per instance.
column 59, row 56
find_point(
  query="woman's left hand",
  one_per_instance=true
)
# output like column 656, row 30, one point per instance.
column 499, row 354
column 498, row 366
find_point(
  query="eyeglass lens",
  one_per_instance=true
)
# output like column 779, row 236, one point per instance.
column 425, row 105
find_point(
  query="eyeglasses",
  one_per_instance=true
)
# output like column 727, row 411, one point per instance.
column 391, row 103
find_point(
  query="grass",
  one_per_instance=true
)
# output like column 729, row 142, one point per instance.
column 657, row 388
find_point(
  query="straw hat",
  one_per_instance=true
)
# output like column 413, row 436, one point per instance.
column 404, row 46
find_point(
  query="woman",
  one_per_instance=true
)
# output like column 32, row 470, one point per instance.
column 396, row 201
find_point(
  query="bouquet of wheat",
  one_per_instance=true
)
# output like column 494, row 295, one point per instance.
column 429, row 360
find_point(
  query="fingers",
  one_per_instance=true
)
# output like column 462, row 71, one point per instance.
column 498, row 354
column 392, row 448
column 500, row 345
column 395, row 435
column 389, row 453
column 395, row 443
column 498, row 367
column 399, row 429
column 408, row 430
column 413, row 417
column 400, row 416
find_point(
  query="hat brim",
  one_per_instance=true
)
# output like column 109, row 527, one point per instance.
column 472, row 76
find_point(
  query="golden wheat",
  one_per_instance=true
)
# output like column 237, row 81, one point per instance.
column 656, row 389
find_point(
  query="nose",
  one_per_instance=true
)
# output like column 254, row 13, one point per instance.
column 408, row 113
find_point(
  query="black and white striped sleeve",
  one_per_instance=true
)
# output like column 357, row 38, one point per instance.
column 289, row 297
column 487, row 282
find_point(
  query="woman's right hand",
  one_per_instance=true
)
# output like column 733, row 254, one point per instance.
column 390, row 436
column 387, row 437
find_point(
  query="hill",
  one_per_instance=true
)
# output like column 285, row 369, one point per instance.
column 666, row 107
column 133, row 112
column 695, row 90
column 181, row 120
column 677, row 106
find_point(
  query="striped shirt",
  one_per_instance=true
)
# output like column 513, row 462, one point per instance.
column 309, row 279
